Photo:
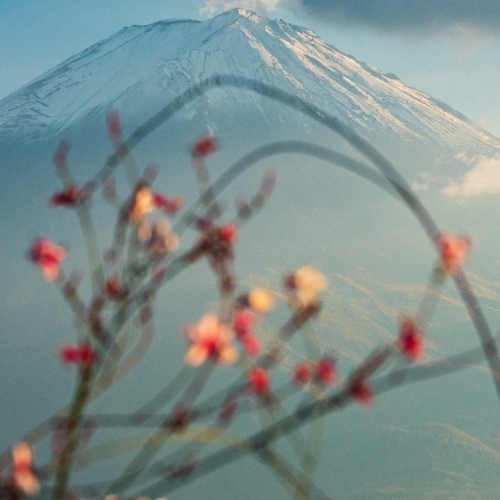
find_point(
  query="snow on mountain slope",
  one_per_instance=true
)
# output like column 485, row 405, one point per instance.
column 142, row 67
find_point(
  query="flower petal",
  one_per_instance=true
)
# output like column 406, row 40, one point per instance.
column 228, row 355
column 196, row 355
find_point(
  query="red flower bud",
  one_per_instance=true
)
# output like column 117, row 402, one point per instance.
column 204, row 146
column 67, row 198
column 325, row 371
column 251, row 344
column 170, row 205
column 361, row 392
column 259, row 381
column 112, row 287
column 243, row 321
column 302, row 373
column 228, row 233
column 411, row 340
column 80, row 355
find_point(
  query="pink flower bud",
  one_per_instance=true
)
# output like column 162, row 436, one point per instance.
column 411, row 340
column 302, row 373
column 259, row 381
column 79, row 355
column 251, row 344
column 325, row 371
column 243, row 321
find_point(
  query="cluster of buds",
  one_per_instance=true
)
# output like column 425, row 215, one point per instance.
column 210, row 339
column 217, row 243
column 145, row 201
column 243, row 323
column 323, row 372
column 158, row 237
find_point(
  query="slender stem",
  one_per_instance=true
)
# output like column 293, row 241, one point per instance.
column 92, row 244
column 63, row 468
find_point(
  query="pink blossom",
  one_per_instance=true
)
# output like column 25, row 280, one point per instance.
column 453, row 250
column 142, row 204
column 48, row 256
column 211, row 340
column 260, row 300
column 22, row 469
column 305, row 286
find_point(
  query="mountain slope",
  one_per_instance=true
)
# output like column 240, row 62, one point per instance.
column 141, row 68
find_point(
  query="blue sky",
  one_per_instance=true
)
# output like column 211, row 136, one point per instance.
column 452, row 54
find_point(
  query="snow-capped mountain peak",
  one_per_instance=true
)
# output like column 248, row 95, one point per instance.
column 141, row 68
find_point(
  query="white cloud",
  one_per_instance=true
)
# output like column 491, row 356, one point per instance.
column 483, row 178
column 424, row 182
column 212, row 7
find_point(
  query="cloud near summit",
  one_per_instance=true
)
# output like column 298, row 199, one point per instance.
column 483, row 178
column 405, row 15
column 264, row 7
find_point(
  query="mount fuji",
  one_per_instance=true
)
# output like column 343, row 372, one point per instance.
column 425, row 443
column 141, row 68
